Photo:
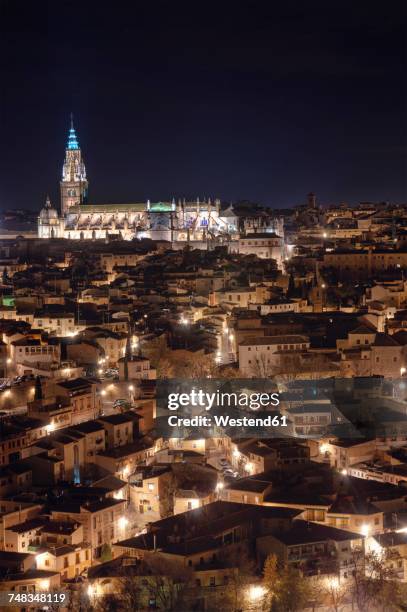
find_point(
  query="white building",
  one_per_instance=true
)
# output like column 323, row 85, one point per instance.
column 263, row 356
column 263, row 245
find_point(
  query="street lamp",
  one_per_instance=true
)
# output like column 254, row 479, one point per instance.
column 365, row 529
column 256, row 592
column 123, row 522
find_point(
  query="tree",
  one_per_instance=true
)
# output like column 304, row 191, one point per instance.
column 105, row 553
column 169, row 583
column 240, row 576
column 335, row 593
column 262, row 368
column 168, row 488
column 160, row 357
column 373, row 583
column 127, row 356
column 291, row 286
column 38, row 389
column 288, row 590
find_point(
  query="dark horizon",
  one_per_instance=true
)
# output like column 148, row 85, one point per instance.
column 264, row 103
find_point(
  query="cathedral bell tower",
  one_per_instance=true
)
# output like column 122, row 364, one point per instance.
column 74, row 185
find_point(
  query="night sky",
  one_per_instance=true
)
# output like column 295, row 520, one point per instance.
column 239, row 100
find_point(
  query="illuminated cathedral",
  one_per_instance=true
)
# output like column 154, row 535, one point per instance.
column 174, row 221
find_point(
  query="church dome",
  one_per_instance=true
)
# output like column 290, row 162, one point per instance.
column 48, row 212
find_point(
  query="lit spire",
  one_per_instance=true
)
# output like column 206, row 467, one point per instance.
column 72, row 139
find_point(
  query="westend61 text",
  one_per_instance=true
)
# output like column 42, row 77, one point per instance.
column 226, row 421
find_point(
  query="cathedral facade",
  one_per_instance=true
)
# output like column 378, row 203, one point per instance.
column 174, row 221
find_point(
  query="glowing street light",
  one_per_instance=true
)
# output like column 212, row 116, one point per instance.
column 50, row 427
column 256, row 592
column 365, row 530
column 403, row 371
column 332, row 583
column 44, row 585
column 123, row 522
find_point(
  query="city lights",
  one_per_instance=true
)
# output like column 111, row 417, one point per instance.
column 256, row 592
column 332, row 582
column 44, row 585
column 123, row 522
column 365, row 530
column 50, row 427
